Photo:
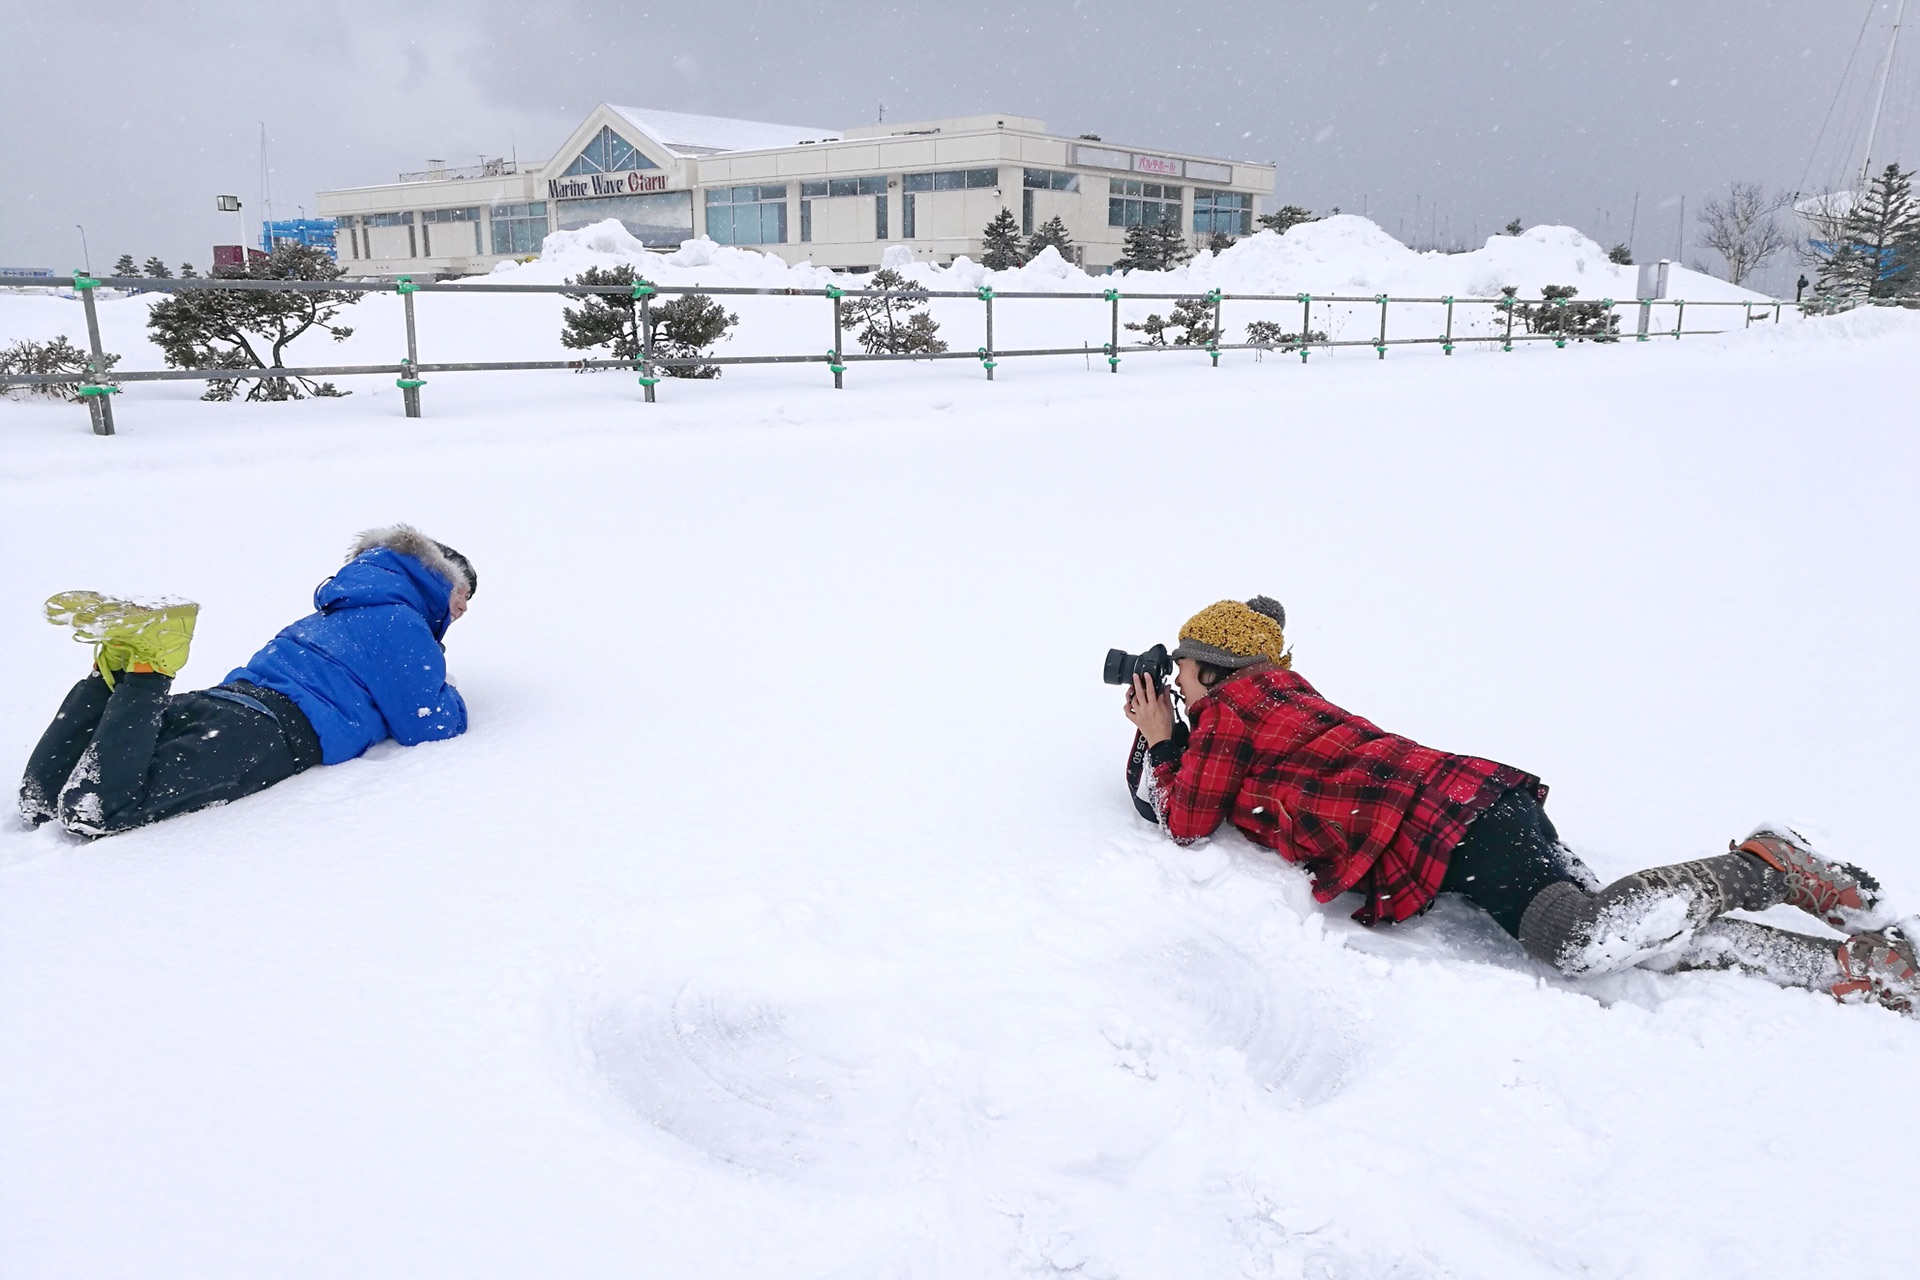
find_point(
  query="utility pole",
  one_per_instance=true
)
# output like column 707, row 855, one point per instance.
column 1680, row 235
column 1880, row 97
column 1633, row 223
column 85, row 256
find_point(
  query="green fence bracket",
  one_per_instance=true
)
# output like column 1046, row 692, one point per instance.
column 1303, row 297
column 89, row 389
column 1111, row 295
column 986, row 361
column 405, row 284
column 83, row 281
column 833, row 361
column 1211, row 296
column 1215, row 353
column 409, row 384
column 834, row 294
column 641, row 289
column 649, row 382
column 1112, row 359
column 986, row 293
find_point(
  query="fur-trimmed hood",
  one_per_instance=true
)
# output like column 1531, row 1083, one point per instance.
column 409, row 541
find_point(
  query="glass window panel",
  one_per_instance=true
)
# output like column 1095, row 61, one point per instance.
column 844, row 187
column 774, row 193
column 812, row 189
column 916, row 182
column 1116, row 212
column 608, row 153
column 389, row 219
column 806, row 221
column 906, row 216
column 977, row 178
column 880, row 215
column 947, row 180
column 875, row 186
column 720, row 223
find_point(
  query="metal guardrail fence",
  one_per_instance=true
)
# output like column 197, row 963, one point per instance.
column 96, row 389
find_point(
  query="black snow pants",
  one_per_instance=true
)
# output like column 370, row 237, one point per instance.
column 119, row 758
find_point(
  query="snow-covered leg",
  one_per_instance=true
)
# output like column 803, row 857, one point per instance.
column 1780, row 956
column 1644, row 916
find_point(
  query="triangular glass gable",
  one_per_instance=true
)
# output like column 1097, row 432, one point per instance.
column 609, row 153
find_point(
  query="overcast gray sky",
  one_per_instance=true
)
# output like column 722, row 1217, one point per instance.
column 1436, row 118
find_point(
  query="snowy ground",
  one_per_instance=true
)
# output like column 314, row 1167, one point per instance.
column 783, row 913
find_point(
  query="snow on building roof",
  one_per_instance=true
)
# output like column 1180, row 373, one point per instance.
column 691, row 135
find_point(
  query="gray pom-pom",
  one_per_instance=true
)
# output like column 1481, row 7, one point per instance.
column 1270, row 607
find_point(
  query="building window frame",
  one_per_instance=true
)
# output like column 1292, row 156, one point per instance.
column 1222, row 212
column 950, row 180
column 430, row 218
column 607, row 152
column 751, row 214
column 1135, row 202
column 518, row 228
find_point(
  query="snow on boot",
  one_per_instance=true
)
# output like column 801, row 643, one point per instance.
column 70, row 607
column 157, row 633
column 1879, row 967
column 1837, row 892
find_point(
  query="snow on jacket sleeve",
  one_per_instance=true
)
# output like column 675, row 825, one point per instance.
column 1194, row 790
column 409, row 682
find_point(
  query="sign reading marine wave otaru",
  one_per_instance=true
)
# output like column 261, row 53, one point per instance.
column 592, row 185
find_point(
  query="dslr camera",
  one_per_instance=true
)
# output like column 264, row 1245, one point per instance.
column 1155, row 664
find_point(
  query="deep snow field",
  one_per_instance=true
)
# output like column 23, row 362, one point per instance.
column 783, row 912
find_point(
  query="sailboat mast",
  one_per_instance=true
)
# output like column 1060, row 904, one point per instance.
column 1880, row 98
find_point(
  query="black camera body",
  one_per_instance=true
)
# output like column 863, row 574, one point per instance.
column 1155, row 663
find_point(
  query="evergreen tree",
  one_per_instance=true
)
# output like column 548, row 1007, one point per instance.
column 1267, row 335
column 1620, row 255
column 250, row 329
column 1051, row 232
column 1557, row 313
column 1191, row 325
column 157, row 270
column 1877, row 252
column 1003, row 242
column 1513, row 228
column 602, row 320
column 685, row 328
column 57, row 357
column 892, row 324
column 1157, row 246
column 187, row 272
column 1286, row 217
column 123, row 266
column 1220, row 242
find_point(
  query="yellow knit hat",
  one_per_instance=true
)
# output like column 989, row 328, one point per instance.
column 1233, row 635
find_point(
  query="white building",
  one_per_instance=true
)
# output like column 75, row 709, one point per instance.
column 809, row 195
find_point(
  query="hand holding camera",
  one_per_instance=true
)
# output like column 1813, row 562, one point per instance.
column 1149, row 702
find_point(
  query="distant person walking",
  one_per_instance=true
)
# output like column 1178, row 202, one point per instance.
column 367, row 665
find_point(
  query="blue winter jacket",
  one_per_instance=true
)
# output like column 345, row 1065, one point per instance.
column 368, row 665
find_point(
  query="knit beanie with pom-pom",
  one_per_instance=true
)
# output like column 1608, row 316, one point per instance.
column 1233, row 634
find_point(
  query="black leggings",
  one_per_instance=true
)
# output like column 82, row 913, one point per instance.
column 119, row 758
column 1509, row 854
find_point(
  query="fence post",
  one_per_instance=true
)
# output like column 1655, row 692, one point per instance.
column 1679, row 317
column 1776, row 313
column 1380, row 343
column 1213, row 347
column 1560, row 305
column 986, row 352
column 1508, row 303
column 94, row 391
column 1646, row 320
column 1113, row 345
column 643, row 293
column 833, row 355
column 1306, row 324
column 1446, row 339
column 410, row 382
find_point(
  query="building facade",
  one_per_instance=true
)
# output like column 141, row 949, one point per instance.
column 809, row 195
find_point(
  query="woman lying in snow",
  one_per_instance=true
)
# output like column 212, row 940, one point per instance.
column 368, row 665
column 1398, row 822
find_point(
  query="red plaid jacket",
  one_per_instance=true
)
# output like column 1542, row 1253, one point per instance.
column 1360, row 808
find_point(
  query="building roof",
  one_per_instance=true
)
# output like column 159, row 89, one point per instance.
column 689, row 135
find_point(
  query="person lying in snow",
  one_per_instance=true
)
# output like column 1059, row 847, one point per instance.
column 1369, row 811
column 366, row 666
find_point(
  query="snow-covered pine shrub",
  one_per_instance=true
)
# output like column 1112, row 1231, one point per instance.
column 1286, row 216
column 1157, row 246
column 685, row 327
column 56, row 357
column 1051, row 232
column 892, row 324
column 1003, row 248
column 250, row 329
column 601, row 320
column 1191, row 324
column 1267, row 335
column 1580, row 321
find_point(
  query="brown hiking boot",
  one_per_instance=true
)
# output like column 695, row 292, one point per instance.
column 1879, row 967
column 1837, row 892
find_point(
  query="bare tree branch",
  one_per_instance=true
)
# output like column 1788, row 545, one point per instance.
column 1742, row 229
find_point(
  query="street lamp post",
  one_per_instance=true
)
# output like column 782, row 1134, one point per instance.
column 85, row 256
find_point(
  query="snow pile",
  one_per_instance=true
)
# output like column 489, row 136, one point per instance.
column 1340, row 255
column 783, row 913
